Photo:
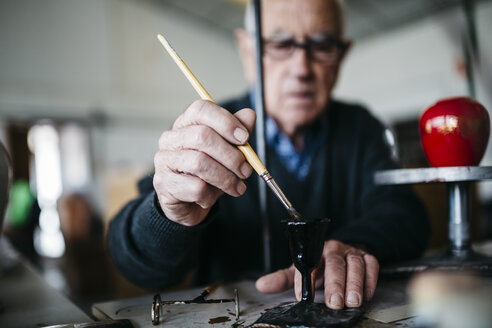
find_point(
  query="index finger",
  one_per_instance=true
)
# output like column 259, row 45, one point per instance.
column 335, row 274
column 355, row 279
column 219, row 119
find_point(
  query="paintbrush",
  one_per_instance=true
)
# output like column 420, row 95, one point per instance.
column 246, row 149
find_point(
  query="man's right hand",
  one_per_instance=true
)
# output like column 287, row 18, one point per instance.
column 198, row 160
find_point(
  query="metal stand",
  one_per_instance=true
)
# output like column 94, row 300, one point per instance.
column 259, row 107
column 459, row 255
column 459, row 224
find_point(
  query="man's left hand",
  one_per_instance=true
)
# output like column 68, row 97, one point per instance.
column 349, row 275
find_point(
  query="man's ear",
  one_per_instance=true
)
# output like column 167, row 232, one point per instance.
column 245, row 47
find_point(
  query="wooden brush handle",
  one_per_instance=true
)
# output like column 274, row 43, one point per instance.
column 252, row 158
column 246, row 149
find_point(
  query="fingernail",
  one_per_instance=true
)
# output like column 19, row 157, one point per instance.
column 336, row 300
column 246, row 169
column 241, row 187
column 353, row 298
column 241, row 135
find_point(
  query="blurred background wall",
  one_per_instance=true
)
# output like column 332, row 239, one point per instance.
column 99, row 63
column 94, row 80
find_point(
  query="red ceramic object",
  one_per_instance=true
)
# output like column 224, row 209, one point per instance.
column 455, row 132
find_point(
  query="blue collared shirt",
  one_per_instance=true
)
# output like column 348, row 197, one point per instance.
column 296, row 162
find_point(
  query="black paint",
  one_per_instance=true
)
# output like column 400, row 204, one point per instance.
column 309, row 314
column 306, row 240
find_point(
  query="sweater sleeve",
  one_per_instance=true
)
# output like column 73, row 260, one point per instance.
column 150, row 250
column 390, row 221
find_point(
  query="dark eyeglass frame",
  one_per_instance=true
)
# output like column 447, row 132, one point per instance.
column 312, row 48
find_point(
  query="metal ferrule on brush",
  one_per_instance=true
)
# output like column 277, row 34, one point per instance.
column 279, row 193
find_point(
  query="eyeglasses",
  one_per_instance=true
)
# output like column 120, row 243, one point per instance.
column 327, row 51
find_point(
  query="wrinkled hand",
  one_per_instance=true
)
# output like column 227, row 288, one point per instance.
column 348, row 274
column 198, row 161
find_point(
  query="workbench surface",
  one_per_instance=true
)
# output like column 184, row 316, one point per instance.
column 390, row 297
column 26, row 300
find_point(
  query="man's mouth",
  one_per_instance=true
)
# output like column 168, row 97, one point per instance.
column 301, row 95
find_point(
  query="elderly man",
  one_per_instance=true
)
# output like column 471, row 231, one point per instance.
column 200, row 213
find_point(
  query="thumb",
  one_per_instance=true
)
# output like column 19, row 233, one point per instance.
column 276, row 282
column 247, row 117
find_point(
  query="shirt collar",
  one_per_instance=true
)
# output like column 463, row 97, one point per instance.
column 296, row 162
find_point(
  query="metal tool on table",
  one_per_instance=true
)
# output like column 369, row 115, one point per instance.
column 200, row 299
column 246, row 149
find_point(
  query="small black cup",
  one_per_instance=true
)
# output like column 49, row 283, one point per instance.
column 306, row 239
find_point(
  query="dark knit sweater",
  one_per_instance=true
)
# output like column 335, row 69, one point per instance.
column 154, row 252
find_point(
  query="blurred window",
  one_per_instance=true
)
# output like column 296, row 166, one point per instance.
column 60, row 164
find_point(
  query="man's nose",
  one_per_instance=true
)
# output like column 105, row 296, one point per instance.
column 301, row 63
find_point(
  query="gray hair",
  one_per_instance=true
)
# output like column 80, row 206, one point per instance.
column 249, row 19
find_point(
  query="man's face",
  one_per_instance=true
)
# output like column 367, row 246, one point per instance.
column 297, row 87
